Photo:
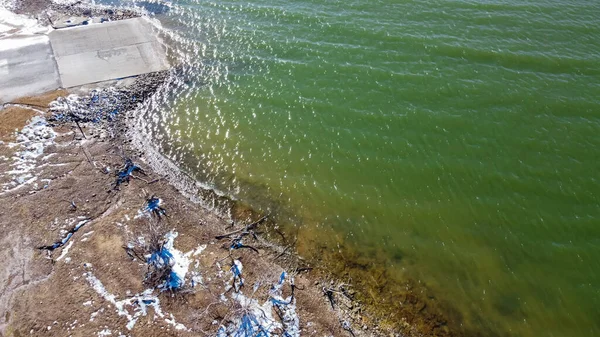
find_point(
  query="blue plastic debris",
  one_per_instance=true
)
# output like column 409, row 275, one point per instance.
column 275, row 289
column 160, row 258
column 99, row 105
column 125, row 174
column 250, row 327
column 236, row 269
column 153, row 206
column 237, row 244
column 282, row 278
column 286, row 307
column 167, row 266
column 255, row 319
column 66, row 238
column 173, row 281
column 280, row 302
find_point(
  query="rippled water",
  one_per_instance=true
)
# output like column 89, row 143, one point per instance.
column 461, row 137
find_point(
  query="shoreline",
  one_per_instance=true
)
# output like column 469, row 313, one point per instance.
column 218, row 215
column 92, row 269
column 397, row 305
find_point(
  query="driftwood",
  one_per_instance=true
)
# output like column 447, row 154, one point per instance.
column 134, row 254
column 80, row 129
column 245, row 230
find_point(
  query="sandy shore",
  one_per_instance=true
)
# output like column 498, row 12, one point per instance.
column 56, row 176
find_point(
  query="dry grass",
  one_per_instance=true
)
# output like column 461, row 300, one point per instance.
column 42, row 100
column 13, row 119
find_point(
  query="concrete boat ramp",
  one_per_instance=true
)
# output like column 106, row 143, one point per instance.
column 69, row 57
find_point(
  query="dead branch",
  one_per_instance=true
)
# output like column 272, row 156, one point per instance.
column 245, row 230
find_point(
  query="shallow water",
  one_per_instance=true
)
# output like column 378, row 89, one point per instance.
column 461, row 137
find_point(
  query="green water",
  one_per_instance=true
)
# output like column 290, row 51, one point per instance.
column 463, row 136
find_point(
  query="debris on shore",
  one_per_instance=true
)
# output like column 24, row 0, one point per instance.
column 178, row 270
column 67, row 237
column 126, row 173
column 139, row 303
column 168, row 266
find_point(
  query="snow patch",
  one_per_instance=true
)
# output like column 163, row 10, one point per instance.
column 12, row 24
column 178, row 262
column 199, row 250
column 105, row 332
column 139, row 304
column 255, row 319
column 65, row 251
column 33, row 139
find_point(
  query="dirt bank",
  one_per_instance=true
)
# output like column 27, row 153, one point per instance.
column 55, row 178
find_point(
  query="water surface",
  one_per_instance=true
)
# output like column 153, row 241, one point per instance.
column 460, row 136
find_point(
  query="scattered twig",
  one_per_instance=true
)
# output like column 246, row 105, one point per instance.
column 140, row 178
column 329, row 293
column 80, row 129
column 134, row 254
column 346, row 326
column 156, row 180
column 87, row 156
column 245, row 230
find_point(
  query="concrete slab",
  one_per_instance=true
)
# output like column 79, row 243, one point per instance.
column 72, row 21
column 95, row 53
column 27, row 67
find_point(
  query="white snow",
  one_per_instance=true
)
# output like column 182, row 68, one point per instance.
column 199, row 250
column 142, row 213
column 140, row 304
column 65, row 250
column 239, row 265
column 12, row 24
column 33, row 139
column 289, row 321
column 105, row 332
column 85, row 236
column 181, row 262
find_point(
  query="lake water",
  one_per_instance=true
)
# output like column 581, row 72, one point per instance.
column 460, row 138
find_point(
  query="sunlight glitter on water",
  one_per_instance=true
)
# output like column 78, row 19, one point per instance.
column 459, row 135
